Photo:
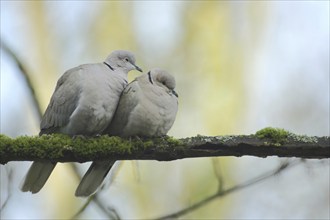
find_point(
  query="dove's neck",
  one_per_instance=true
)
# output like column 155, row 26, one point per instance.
column 108, row 65
column 117, row 71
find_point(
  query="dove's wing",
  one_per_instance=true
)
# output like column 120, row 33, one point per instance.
column 62, row 103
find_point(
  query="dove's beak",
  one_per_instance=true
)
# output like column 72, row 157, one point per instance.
column 174, row 93
column 138, row 68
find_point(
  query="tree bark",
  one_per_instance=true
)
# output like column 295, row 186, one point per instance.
column 61, row 148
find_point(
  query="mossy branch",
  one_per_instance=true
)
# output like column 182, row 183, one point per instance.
column 62, row 148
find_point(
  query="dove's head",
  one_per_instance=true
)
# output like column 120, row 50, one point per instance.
column 162, row 79
column 122, row 59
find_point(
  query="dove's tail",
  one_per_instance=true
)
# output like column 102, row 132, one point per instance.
column 37, row 176
column 93, row 178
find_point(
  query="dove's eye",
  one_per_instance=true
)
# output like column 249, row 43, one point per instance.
column 126, row 59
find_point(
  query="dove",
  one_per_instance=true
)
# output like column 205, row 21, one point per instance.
column 147, row 108
column 83, row 103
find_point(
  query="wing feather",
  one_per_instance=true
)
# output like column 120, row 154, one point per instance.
column 62, row 103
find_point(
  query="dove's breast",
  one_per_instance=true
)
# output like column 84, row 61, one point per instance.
column 98, row 98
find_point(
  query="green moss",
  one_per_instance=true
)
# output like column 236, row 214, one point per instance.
column 85, row 147
column 4, row 141
column 277, row 136
column 173, row 141
column 55, row 146
column 164, row 144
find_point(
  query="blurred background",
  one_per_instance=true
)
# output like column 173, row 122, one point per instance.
column 240, row 66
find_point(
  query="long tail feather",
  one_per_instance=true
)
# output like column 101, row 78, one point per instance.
column 93, row 178
column 37, row 176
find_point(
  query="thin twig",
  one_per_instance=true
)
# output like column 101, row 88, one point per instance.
column 82, row 209
column 74, row 168
column 9, row 173
column 223, row 193
column 25, row 76
column 110, row 212
column 217, row 172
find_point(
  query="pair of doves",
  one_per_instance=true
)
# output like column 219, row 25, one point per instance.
column 95, row 99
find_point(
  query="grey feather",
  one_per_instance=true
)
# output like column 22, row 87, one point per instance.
column 37, row 176
column 93, row 178
column 62, row 103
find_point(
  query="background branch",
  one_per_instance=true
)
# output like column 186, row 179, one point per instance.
column 222, row 193
column 109, row 211
column 25, row 75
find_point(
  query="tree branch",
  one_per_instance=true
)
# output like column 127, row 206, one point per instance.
column 222, row 193
column 61, row 148
column 25, row 75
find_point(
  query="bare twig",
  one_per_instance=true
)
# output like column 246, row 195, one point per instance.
column 9, row 173
column 110, row 212
column 217, row 172
column 25, row 76
column 221, row 194
column 83, row 208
